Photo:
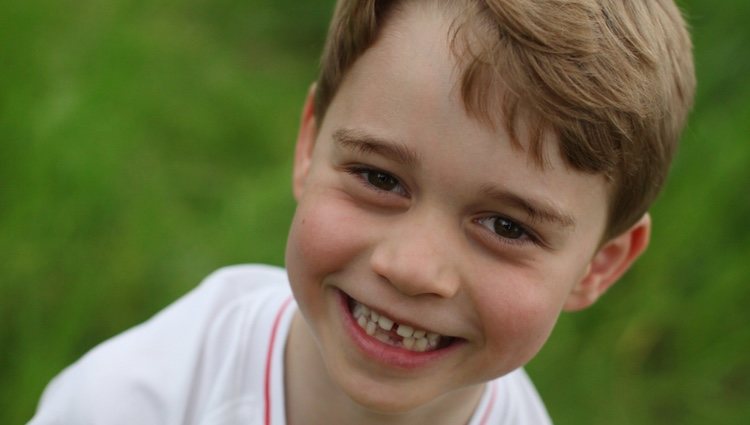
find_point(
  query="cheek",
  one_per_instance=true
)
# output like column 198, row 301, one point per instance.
column 324, row 237
column 518, row 316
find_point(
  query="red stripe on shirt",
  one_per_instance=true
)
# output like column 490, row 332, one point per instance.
column 493, row 394
column 269, row 357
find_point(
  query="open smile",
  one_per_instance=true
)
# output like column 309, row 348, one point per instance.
column 388, row 331
column 386, row 340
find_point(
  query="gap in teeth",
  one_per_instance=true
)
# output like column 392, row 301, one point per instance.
column 381, row 328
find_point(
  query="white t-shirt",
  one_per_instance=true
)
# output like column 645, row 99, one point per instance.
column 215, row 357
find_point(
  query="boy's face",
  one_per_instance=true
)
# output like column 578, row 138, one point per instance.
column 416, row 210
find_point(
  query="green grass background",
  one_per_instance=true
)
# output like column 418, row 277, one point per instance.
column 143, row 144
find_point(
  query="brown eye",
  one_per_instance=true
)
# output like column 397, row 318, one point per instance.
column 508, row 229
column 382, row 181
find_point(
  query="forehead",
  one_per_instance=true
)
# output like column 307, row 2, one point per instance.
column 456, row 32
column 415, row 56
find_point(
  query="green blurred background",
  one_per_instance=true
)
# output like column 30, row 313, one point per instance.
column 144, row 144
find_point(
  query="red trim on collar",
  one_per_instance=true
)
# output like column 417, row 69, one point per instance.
column 493, row 394
column 269, row 357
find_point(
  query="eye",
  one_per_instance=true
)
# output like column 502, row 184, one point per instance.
column 507, row 230
column 382, row 181
column 378, row 180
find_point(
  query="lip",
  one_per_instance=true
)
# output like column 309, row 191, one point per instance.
column 385, row 354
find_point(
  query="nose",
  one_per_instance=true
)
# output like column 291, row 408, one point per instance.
column 417, row 256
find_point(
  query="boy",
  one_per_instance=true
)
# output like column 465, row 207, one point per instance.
column 464, row 171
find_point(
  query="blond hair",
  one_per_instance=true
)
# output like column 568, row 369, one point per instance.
column 612, row 79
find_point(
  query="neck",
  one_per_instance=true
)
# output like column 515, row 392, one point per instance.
column 312, row 398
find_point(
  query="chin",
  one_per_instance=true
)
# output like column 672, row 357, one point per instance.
column 386, row 400
column 384, row 396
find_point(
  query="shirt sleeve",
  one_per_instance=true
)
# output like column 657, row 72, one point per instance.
column 83, row 394
column 155, row 373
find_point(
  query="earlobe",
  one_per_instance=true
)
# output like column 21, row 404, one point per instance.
column 609, row 263
column 303, row 151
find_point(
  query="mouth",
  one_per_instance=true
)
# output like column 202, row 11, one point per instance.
column 390, row 332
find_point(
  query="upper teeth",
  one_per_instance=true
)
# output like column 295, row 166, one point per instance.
column 378, row 326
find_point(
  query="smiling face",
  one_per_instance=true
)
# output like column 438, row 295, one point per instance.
column 412, row 208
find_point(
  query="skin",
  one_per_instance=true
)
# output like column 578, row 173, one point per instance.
column 443, row 240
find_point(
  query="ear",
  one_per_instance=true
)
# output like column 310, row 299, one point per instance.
column 609, row 263
column 308, row 130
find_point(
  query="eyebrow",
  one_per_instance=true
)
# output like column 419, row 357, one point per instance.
column 360, row 141
column 537, row 210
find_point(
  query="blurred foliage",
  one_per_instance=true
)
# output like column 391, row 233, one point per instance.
column 145, row 143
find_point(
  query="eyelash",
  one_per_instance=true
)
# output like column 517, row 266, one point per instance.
column 363, row 174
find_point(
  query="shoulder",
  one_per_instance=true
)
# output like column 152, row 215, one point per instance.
column 160, row 372
column 242, row 290
column 241, row 280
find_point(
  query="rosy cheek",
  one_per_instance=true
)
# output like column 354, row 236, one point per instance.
column 518, row 316
column 325, row 236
